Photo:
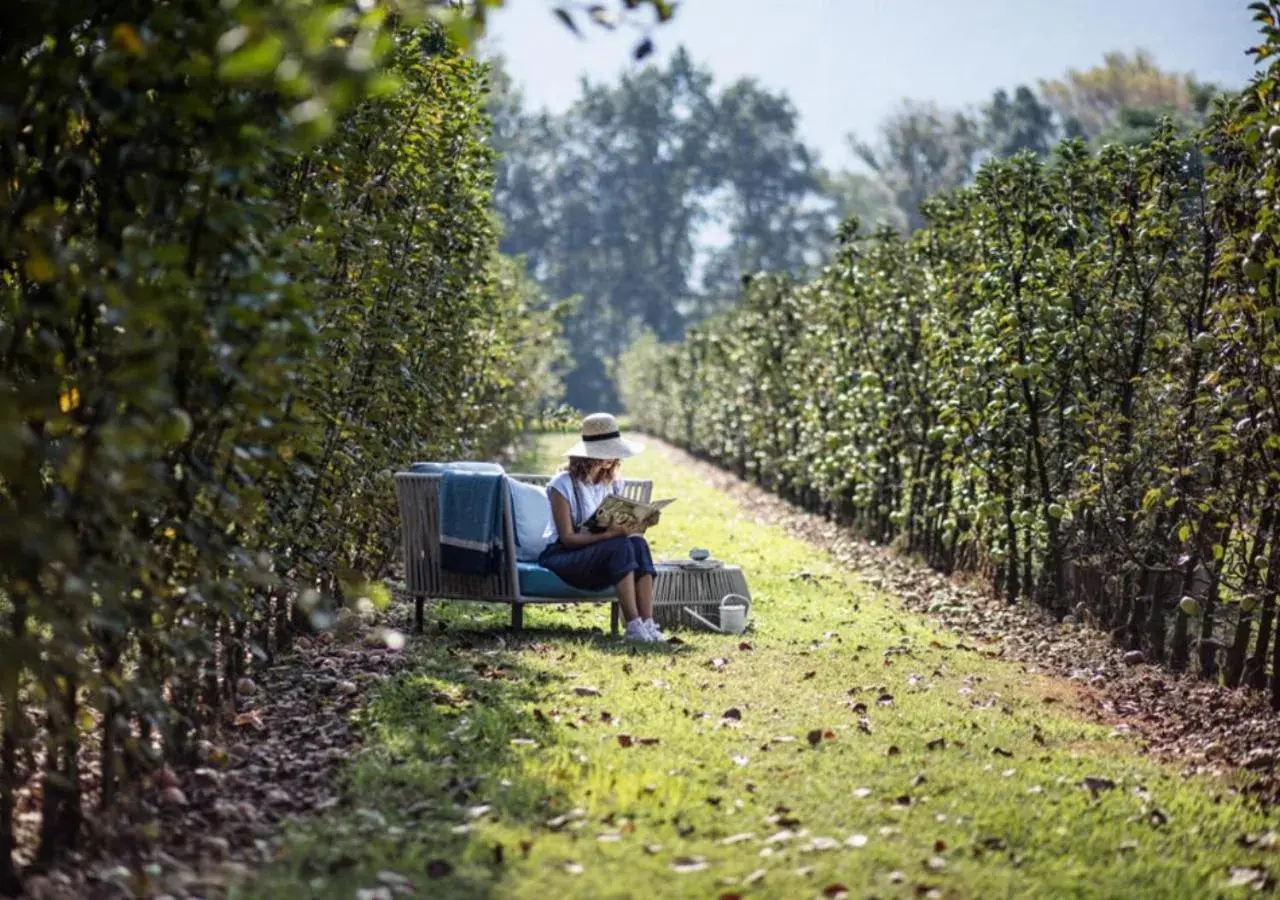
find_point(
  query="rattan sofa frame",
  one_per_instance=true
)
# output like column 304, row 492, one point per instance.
column 418, row 495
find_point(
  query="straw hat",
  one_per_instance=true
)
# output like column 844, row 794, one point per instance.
column 601, row 439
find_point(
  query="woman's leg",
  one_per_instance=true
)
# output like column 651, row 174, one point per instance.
column 644, row 596
column 644, row 576
column 627, row 597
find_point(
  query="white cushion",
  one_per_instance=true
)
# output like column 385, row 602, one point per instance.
column 531, row 513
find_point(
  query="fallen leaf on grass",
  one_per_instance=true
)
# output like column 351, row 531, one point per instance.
column 808, row 675
column 755, row 876
column 937, row 744
column 648, row 742
column 1257, row 878
column 394, row 880
column 732, row 713
column 1096, row 784
column 738, row 838
column 894, row 751
column 439, row 868
column 686, row 864
column 1000, row 751
column 740, row 760
column 1266, row 841
column 835, row 891
column 586, row 690
column 884, row 700
column 718, row 662
column 574, row 868
column 815, row 737
column 856, row 840
column 653, row 849
column 624, row 740
column 744, row 646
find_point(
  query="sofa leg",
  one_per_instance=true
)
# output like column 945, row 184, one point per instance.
column 417, row 614
column 613, row 618
column 517, row 616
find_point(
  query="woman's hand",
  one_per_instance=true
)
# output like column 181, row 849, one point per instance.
column 614, row 531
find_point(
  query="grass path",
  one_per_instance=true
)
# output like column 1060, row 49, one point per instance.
column 496, row 770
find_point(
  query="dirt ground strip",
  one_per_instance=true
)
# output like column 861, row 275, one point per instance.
column 278, row 756
column 1204, row 727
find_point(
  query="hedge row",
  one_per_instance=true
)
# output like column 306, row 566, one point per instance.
column 248, row 267
column 1066, row 382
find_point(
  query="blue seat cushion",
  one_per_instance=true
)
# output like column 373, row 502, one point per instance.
column 536, row 581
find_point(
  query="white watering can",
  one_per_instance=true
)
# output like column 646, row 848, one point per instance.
column 734, row 610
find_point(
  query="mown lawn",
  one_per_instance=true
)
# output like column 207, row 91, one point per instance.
column 843, row 746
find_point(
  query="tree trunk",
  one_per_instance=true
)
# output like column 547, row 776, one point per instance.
column 1256, row 668
column 1244, row 624
column 1181, row 654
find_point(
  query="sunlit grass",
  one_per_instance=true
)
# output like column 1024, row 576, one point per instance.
column 487, row 769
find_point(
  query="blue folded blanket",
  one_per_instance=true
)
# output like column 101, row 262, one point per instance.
column 471, row 521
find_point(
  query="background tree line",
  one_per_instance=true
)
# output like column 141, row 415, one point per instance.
column 1065, row 381
column 650, row 198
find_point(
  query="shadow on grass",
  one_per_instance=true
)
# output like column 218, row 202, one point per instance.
column 443, row 791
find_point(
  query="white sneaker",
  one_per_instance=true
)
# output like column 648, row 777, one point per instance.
column 636, row 631
column 655, row 632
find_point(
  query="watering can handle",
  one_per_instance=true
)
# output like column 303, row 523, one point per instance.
column 746, row 601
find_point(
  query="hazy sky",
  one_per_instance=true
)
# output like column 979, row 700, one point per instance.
column 847, row 63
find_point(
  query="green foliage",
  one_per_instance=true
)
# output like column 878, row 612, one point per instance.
column 248, row 266
column 1063, row 382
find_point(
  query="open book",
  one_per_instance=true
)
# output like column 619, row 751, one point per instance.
column 633, row 516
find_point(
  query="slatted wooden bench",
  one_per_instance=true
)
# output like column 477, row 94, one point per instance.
column 515, row 583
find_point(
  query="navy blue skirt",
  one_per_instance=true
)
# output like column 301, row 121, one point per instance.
column 600, row 565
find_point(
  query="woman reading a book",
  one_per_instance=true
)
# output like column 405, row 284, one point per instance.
column 616, row 557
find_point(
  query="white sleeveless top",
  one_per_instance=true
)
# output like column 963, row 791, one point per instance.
column 584, row 499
